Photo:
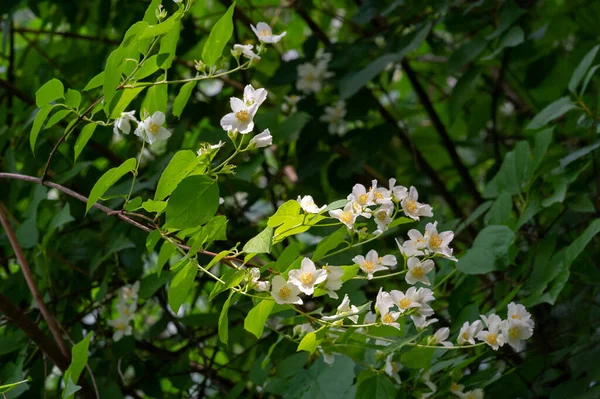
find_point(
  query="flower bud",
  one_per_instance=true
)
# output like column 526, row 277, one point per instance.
column 200, row 66
column 261, row 140
column 160, row 13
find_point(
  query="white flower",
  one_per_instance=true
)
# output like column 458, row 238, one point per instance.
column 130, row 292
column 121, row 326
column 205, row 150
column 334, row 280
column 369, row 264
column 291, row 103
column 456, row 388
column 307, row 276
column 345, row 308
column 308, row 204
column 515, row 332
column 254, row 96
column 328, row 357
column 258, row 285
column 440, row 337
column 492, row 336
column 417, row 271
column 346, row 216
column 302, row 329
column 334, row 116
column 399, row 192
column 383, row 304
column 392, row 368
column 126, row 310
column 123, row 122
column 151, row 129
column 518, row 312
column 406, row 301
column 474, row 394
column 416, row 245
column 311, row 77
column 261, row 140
column 241, row 119
column 265, row 34
column 284, row 292
column 246, row 51
column 427, row 379
column 468, row 332
column 380, row 195
column 383, row 217
column 387, row 260
column 414, row 209
column 438, row 242
column 422, row 321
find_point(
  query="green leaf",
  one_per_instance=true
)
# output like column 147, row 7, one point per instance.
column 163, row 27
column 125, row 97
column 57, row 117
column 378, row 387
column 462, row 92
column 50, row 91
column 514, row 174
column 512, row 38
column 551, row 112
column 329, row 243
column 339, row 204
column 152, row 240
column 154, row 206
column 40, row 117
column 218, row 38
column 95, row 82
column 193, row 203
column 354, row 81
column 223, row 320
column 214, row 230
column 73, row 98
column 166, row 251
column 582, row 68
column 261, row 243
column 257, row 317
column 107, row 180
column 168, row 46
column 156, row 99
column 309, row 343
column 181, row 284
column 79, row 358
column 287, row 257
column 180, row 166
column 63, row 217
column 84, row 136
column 490, row 244
column 286, row 211
column 417, row 358
column 231, row 278
column 499, row 213
column 466, row 53
column 182, row 98
column 587, row 79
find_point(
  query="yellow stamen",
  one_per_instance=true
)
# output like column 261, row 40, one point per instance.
column 417, row 271
column 368, row 265
column 465, row 335
column 516, row 316
column 153, row 128
column 242, row 116
column 435, row 241
column 285, row 292
column 346, row 217
column 381, row 215
column 306, row 278
column 514, row 333
column 492, row 339
column 405, row 303
column 411, row 206
column 378, row 195
column 363, row 199
column 264, row 32
column 388, row 319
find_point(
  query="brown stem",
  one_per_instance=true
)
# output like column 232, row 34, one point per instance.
column 46, row 344
column 69, row 35
column 111, row 212
column 52, row 324
column 442, row 132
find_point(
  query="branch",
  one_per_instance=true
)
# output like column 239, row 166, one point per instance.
column 47, row 346
column 111, row 212
column 52, row 324
column 69, row 35
column 442, row 132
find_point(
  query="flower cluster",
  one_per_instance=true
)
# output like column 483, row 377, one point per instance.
column 513, row 331
column 126, row 307
column 311, row 76
column 149, row 129
column 391, row 305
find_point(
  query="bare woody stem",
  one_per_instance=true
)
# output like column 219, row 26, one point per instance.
column 52, row 324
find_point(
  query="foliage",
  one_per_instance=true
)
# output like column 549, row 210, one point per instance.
column 158, row 235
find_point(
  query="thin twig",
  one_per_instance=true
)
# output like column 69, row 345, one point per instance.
column 52, row 323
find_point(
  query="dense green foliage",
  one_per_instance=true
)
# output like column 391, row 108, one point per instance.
column 489, row 108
